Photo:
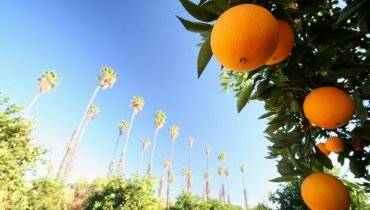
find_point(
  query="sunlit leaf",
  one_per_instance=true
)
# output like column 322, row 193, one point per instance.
column 284, row 179
column 195, row 26
column 198, row 12
column 205, row 54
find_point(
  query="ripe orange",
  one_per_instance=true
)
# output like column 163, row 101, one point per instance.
column 321, row 191
column 334, row 144
column 285, row 45
column 328, row 107
column 244, row 37
column 323, row 149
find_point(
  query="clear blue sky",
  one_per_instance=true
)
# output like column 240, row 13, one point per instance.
column 155, row 58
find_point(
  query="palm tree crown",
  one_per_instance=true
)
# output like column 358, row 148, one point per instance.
column 146, row 143
column 160, row 119
column 48, row 81
column 122, row 127
column 207, row 175
column 208, row 150
column 220, row 171
column 227, row 172
column 222, row 157
column 108, row 77
column 242, row 168
column 174, row 132
column 92, row 112
column 191, row 142
column 137, row 103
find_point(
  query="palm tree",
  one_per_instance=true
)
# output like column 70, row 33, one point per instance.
column 122, row 128
column 159, row 121
column 137, row 104
column 208, row 151
column 222, row 159
column 171, row 179
column 47, row 82
column 242, row 169
column 220, row 171
column 185, row 173
column 92, row 112
column 207, row 177
column 107, row 79
column 166, row 164
column 227, row 174
column 191, row 143
column 174, row 133
column 145, row 146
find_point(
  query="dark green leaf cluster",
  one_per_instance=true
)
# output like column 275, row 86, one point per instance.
column 331, row 48
column 120, row 194
column 288, row 196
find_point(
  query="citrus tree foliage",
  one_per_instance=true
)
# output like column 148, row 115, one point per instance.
column 260, row 206
column 17, row 154
column 331, row 49
column 46, row 193
column 288, row 196
column 120, row 194
column 188, row 201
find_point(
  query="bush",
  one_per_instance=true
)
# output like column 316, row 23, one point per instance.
column 119, row 194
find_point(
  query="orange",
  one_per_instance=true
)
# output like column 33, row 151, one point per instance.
column 244, row 37
column 328, row 107
column 321, row 191
column 334, row 144
column 323, row 149
column 285, row 45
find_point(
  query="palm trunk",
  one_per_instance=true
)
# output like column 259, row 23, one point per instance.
column 168, row 178
column 111, row 165
column 245, row 194
column 70, row 163
column 31, row 104
column 182, row 185
column 75, row 137
column 207, row 182
column 227, row 190
column 168, row 203
column 220, row 188
column 152, row 155
column 223, row 189
column 161, row 185
column 189, row 178
column 141, row 161
column 121, row 165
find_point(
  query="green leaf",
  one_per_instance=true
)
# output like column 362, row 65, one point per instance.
column 363, row 131
column 244, row 97
column 267, row 114
column 353, row 167
column 341, row 73
column 205, row 54
column 284, row 179
column 222, row 4
column 360, row 109
column 349, row 10
column 198, row 12
column 201, row 2
column 195, row 26
column 324, row 159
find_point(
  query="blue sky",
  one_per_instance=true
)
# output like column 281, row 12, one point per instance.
column 155, row 58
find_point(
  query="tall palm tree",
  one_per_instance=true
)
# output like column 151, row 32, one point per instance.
column 122, row 128
column 227, row 174
column 106, row 79
column 208, row 151
column 220, row 171
column 166, row 164
column 207, row 177
column 191, row 143
column 47, row 82
column 137, row 104
column 92, row 112
column 185, row 173
column 145, row 146
column 242, row 169
column 174, row 133
column 222, row 159
column 171, row 179
column 159, row 121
